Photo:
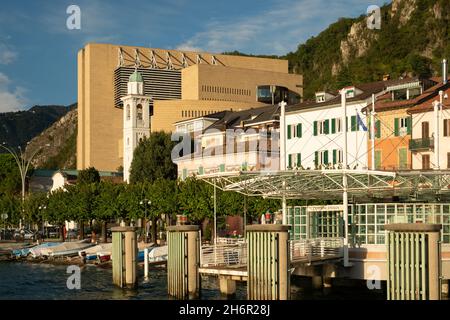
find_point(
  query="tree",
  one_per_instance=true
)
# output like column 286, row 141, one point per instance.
column 152, row 159
column 11, row 206
column 105, row 204
column 34, row 206
column 9, row 175
column 89, row 175
column 58, row 210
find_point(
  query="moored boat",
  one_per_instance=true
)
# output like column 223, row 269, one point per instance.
column 66, row 249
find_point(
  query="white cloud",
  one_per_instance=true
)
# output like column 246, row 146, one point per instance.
column 7, row 54
column 11, row 99
column 275, row 31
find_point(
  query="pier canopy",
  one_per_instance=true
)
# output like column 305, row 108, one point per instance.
column 328, row 184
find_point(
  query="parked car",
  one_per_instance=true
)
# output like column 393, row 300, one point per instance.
column 53, row 232
column 24, row 234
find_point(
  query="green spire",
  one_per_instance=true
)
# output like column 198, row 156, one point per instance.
column 136, row 77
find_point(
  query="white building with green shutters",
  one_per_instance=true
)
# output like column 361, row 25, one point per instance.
column 314, row 129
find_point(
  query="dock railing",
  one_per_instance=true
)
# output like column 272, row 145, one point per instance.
column 316, row 248
column 224, row 255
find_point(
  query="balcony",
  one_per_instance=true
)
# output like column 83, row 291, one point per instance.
column 421, row 144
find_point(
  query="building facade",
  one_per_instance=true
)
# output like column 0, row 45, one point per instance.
column 231, row 141
column 393, row 125
column 315, row 129
column 196, row 83
column 430, row 141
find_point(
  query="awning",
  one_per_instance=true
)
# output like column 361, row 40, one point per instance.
column 327, row 184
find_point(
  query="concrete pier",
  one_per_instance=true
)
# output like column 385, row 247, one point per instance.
column 268, row 262
column 124, row 256
column 227, row 286
column 183, row 261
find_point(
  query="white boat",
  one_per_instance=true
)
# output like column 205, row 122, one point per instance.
column 37, row 250
column 66, row 249
column 157, row 254
column 93, row 252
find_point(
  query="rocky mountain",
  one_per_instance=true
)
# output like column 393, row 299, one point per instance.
column 56, row 146
column 18, row 128
column 413, row 39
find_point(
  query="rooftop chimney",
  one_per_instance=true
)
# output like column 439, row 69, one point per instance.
column 444, row 71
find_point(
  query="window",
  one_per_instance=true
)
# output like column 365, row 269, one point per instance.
column 426, row 162
column 377, row 159
column 294, row 131
column 337, row 156
column 425, row 130
column 321, row 127
column 402, row 158
column 350, row 93
column 402, row 126
column 139, row 112
column 294, row 160
column 128, row 112
column 321, row 157
column 446, row 127
column 448, row 160
column 320, row 97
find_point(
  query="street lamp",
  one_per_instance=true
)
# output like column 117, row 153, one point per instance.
column 43, row 207
column 23, row 163
column 145, row 202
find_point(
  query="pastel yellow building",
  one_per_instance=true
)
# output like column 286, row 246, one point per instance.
column 181, row 85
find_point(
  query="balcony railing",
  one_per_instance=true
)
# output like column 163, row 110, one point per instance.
column 421, row 144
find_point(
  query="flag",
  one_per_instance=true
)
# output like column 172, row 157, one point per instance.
column 361, row 123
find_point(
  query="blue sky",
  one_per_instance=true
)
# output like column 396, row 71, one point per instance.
column 38, row 52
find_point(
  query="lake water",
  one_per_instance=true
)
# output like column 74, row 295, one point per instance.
column 44, row 281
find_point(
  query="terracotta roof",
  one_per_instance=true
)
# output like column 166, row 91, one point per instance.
column 426, row 103
column 234, row 119
column 367, row 90
column 384, row 101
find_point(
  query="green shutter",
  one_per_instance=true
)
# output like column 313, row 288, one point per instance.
column 377, row 159
column 378, row 129
column 184, row 175
column 299, row 130
column 403, row 158
column 353, row 123
column 200, row 170
column 289, row 135
column 222, row 168
column 299, row 159
column 334, row 156
column 396, row 127
column 315, row 128
column 408, row 125
column 333, row 125
column 316, row 158
column 325, row 157
column 326, row 126
column 290, row 161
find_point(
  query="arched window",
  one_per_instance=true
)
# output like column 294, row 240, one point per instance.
column 127, row 110
column 139, row 112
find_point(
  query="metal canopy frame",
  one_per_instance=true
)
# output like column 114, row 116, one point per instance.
column 328, row 184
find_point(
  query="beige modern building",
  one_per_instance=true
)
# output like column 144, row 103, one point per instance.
column 182, row 85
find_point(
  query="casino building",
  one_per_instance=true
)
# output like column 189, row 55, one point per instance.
column 175, row 86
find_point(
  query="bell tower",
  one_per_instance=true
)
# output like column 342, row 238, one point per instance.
column 136, row 119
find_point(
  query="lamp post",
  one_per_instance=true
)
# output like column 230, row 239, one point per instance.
column 23, row 163
column 41, row 208
column 145, row 202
